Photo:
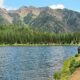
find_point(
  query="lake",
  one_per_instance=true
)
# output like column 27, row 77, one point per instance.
column 33, row 63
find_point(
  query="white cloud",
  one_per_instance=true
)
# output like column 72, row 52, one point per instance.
column 1, row 3
column 11, row 8
column 58, row 6
column 7, row 7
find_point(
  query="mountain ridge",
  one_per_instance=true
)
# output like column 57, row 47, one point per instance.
column 43, row 18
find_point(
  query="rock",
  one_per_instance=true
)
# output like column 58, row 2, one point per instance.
column 79, row 49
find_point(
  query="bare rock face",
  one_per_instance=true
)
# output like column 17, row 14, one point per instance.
column 23, row 11
column 5, row 15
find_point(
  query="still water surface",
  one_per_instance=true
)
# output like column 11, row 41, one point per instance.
column 32, row 63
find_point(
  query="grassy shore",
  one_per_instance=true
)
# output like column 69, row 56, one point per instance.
column 69, row 67
column 51, row 44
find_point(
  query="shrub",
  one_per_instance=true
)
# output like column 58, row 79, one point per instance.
column 76, row 55
column 57, row 75
column 73, row 65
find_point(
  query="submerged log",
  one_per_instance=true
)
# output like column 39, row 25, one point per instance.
column 79, row 50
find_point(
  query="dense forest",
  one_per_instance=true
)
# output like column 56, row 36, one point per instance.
column 18, row 34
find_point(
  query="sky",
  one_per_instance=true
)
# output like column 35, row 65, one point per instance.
column 14, row 4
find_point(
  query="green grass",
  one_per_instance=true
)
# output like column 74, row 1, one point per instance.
column 69, row 66
column 28, row 44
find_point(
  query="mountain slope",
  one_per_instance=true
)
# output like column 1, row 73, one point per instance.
column 43, row 18
column 5, row 17
column 55, row 20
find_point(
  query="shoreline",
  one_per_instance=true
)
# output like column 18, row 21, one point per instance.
column 68, row 69
column 3, row 45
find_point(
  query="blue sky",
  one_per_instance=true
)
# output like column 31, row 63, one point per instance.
column 70, row 4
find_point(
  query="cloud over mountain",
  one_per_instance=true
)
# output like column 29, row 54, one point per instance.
column 58, row 6
column 1, row 3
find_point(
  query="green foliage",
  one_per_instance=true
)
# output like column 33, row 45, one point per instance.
column 65, row 70
column 76, row 55
column 66, row 64
column 69, row 66
column 57, row 76
column 21, row 34
column 73, row 65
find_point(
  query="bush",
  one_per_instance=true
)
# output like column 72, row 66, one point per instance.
column 57, row 75
column 76, row 55
column 73, row 65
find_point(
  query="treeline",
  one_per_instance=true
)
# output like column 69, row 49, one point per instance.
column 11, row 34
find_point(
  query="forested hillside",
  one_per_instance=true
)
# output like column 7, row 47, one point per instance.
column 18, row 34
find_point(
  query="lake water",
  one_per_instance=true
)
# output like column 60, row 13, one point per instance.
column 32, row 63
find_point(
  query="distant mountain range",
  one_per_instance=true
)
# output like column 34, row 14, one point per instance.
column 43, row 18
